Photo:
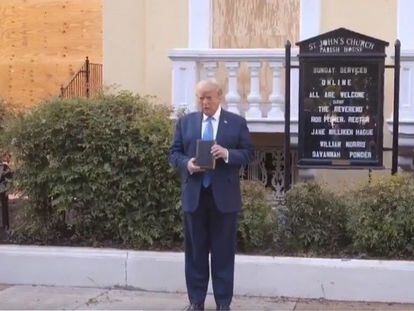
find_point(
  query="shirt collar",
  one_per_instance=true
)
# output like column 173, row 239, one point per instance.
column 216, row 115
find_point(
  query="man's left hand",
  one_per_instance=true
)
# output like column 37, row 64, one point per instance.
column 219, row 152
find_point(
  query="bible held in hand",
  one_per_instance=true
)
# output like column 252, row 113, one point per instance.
column 204, row 158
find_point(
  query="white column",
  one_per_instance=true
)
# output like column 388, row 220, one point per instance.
column 276, row 98
column 406, row 112
column 232, row 96
column 199, row 24
column 209, row 70
column 405, row 28
column 183, row 85
column 310, row 18
column 405, row 24
column 254, row 97
column 294, row 93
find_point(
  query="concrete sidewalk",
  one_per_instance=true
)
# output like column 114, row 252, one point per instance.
column 23, row 297
column 260, row 276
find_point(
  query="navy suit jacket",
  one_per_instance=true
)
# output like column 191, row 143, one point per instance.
column 233, row 134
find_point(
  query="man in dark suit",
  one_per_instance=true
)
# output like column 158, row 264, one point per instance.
column 211, row 199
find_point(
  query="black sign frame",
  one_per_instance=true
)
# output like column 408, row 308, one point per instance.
column 330, row 50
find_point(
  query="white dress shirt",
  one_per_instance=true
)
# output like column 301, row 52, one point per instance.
column 215, row 122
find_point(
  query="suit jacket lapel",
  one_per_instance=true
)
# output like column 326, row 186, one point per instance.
column 221, row 130
column 199, row 120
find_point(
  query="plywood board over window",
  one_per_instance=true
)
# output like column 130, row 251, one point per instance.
column 43, row 43
column 255, row 23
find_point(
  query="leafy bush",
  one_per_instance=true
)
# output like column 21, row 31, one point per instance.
column 96, row 171
column 6, row 116
column 314, row 220
column 382, row 217
column 3, row 114
column 257, row 222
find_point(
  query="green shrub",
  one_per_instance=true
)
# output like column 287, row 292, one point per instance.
column 257, row 222
column 96, row 172
column 6, row 116
column 314, row 220
column 3, row 113
column 382, row 217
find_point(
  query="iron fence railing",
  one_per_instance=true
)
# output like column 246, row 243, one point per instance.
column 86, row 82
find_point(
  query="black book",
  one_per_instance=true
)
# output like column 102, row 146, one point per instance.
column 204, row 158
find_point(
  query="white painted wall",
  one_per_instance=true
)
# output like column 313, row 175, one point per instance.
column 137, row 37
column 123, row 44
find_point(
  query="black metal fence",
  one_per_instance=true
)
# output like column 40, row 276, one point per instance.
column 5, row 175
column 86, row 82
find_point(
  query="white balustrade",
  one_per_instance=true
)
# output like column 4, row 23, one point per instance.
column 254, row 97
column 262, row 114
column 209, row 69
column 276, row 98
column 294, row 98
column 406, row 111
column 183, row 84
column 232, row 96
column 406, row 107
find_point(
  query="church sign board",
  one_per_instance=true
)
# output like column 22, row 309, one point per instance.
column 341, row 95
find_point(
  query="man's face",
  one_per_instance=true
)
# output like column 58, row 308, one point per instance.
column 209, row 99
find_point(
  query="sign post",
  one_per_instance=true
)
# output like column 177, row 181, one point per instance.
column 396, row 120
column 287, row 164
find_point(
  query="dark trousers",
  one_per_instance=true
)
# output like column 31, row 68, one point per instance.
column 207, row 230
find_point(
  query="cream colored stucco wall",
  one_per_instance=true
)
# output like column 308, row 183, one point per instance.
column 139, row 33
column 137, row 37
column 376, row 18
column 123, row 42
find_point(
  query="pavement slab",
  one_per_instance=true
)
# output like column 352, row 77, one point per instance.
column 327, row 305
column 133, row 300
column 46, row 297
column 24, row 297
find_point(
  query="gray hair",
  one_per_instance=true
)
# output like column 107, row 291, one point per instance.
column 211, row 83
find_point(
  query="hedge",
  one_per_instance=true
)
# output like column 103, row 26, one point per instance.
column 96, row 172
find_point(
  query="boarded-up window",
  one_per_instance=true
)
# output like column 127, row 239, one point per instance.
column 255, row 23
column 43, row 43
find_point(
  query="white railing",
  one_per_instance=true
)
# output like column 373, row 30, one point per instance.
column 263, row 109
column 406, row 111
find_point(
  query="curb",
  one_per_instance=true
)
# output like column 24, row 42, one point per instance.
column 332, row 279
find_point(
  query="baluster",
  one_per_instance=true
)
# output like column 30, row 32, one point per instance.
column 209, row 70
column 183, row 84
column 294, row 94
column 276, row 98
column 406, row 87
column 232, row 96
column 254, row 96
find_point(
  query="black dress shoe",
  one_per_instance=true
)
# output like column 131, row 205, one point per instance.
column 222, row 307
column 195, row 307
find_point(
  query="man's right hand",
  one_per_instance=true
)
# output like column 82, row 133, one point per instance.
column 192, row 167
